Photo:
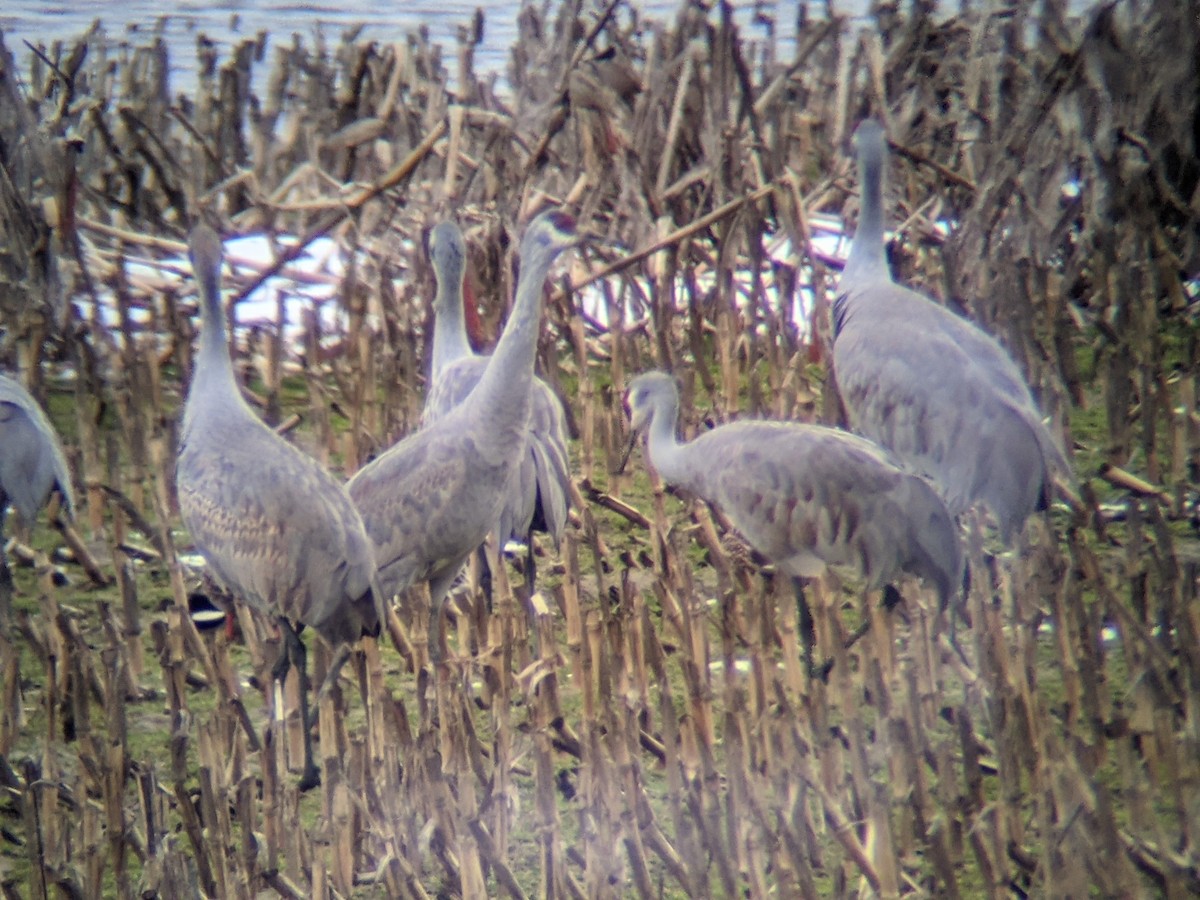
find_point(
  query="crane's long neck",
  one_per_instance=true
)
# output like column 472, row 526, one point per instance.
column 449, row 326
column 868, row 257
column 214, row 368
column 502, row 395
column 666, row 454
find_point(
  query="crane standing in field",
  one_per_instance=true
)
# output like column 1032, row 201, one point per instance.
column 537, row 498
column 32, row 464
column 804, row 496
column 431, row 500
column 937, row 391
column 273, row 525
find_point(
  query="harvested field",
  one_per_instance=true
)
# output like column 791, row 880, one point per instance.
column 644, row 725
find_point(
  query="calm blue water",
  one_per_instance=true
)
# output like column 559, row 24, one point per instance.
column 226, row 23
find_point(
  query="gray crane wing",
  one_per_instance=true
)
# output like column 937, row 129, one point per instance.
column 550, row 461
column 286, row 539
column 945, row 398
column 419, row 505
column 31, row 456
column 888, row 308
column 805, row 495
column 452, row 387
column 542, row 484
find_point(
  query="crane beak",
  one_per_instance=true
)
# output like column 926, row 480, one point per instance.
column 620, row 470
column 593, row 238
column 633, row 436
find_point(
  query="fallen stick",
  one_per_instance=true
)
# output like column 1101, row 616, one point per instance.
column 1119, row 478
column 135, row 517
column 79, row 550
column 612, row 504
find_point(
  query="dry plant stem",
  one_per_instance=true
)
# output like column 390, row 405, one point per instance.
column 390, row 180
column 1127, row 481
column 661, row 735
column 673, row 238
column 135, row 517
column 81, row 553
column 612, row 504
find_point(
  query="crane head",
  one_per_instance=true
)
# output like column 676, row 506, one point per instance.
column 448, row 255
column 650, row 394
column 205, row 249
column 551, row 229
column 870, row 141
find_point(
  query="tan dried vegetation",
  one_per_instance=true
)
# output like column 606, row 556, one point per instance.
column 644, row 727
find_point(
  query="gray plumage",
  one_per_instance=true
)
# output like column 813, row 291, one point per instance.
column 537, row 498
column 430, row 500
column 933, row 388
column 31, row 457
column 273, row 525
column 805, row 496
column 31, row 465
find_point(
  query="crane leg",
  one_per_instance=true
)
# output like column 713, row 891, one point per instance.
column 297, row 656
column 340, row 656
column 284, row 662
column 438, row 588
column 530, row 565
column 808, row 636
column 527, row 592
column 808, row 633
column 6, row 588
column 485, row 575
column 6, row 579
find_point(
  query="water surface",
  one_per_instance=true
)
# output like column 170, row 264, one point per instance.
column 226, row 23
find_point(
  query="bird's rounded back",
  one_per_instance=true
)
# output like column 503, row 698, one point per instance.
column 935, row 389
column 274, row 525
column 431, row 499
column 538, row 494
column 32, row 461
column 804, row 495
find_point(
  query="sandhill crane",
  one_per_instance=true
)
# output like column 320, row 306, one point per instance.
column 275, row 528
column 537, row 498
column 804, row 496
column 937, row 391
column 31, row 465
column 430, row 500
